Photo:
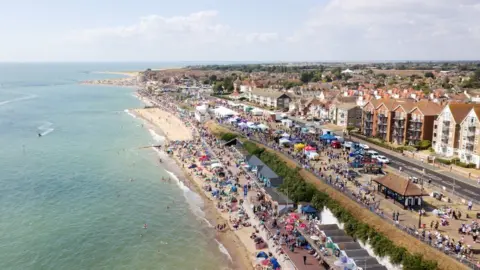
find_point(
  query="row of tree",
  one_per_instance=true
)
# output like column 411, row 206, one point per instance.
column 300, row 191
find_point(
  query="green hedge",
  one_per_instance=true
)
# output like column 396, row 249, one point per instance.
column 228, row 136
column 299, row 190
column 466, row 165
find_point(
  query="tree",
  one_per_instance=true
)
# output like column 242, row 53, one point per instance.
column 306, row 77
column 429, row 75
column 213, row 78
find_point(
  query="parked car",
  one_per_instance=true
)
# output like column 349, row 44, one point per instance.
column 347, row 144
column 383, row 159
column 364, row 146
column 372, row 153
column 336, row 144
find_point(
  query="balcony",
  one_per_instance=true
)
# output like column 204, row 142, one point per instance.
column 382, row 131
column 446, row 129
column 445, row 140
column 416, row 120
column 446, row 122
column 469, row 148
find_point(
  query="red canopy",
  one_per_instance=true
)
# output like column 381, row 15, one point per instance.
column 310, row 148
column 203, row 158
column 294, row 215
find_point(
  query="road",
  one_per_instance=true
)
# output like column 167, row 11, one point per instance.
column 417, row 169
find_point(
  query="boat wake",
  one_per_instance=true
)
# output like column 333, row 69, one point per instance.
column 194, row 200
column 45, row 129
column 18, row 99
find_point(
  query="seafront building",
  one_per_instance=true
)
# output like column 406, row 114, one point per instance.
column 457, row 132
column 402, row 122
column 269, row 98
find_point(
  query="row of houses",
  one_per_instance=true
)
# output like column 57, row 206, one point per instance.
column 402, row 122
column 453, row 129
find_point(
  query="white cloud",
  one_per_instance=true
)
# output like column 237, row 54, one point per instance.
column 392, row 30
column 197, row 36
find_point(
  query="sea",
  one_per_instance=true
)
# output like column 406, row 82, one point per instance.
column 78, row 196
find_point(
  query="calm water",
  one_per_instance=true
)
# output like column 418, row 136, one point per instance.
column 66, row 198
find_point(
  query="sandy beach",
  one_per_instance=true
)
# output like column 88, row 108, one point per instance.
column 173, row 128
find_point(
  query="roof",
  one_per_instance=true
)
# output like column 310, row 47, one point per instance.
column 265, row 171
column 428, row 107
column 460, row 110
column 253, row 160
column 277, row 196
column 268, row 93
column 347, row 106
column 400, row 185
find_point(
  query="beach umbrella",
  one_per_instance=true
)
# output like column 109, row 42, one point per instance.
column 262, row 254
column 289, row 227
column 266, row 262
column 294, row 215
column 290, row 220
column 274, row 263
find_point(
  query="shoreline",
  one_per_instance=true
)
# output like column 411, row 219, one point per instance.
column 238, row 254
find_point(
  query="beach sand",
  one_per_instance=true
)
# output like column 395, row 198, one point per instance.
column 125, row 73
column 173, row 128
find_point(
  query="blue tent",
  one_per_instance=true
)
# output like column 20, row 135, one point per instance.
column 262, row 254
column 275, row 263
column 297, row 140
column 233, row 189
column 328, row 137
column 308, row 209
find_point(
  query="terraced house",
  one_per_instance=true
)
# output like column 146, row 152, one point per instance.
column 402, row 122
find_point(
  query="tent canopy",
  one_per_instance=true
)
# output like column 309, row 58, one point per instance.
column 328, row 137
column 284, row 141
column 216, row 165
column 262, row 126
column 309, row 209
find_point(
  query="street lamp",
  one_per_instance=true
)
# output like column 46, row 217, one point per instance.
column 419, row 219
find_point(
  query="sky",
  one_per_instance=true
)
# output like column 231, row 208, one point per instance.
column 234, row 30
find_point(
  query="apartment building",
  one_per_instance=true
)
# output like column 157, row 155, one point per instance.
column 269, row 98
column 469, row 144
column 348, row 114
column 446, row 137
column 402, row 122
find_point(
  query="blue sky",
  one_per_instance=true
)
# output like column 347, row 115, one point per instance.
column 267, row 30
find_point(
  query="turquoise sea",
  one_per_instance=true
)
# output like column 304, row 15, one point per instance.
column 67, row 200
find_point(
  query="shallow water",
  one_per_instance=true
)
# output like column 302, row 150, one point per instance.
column 77, row 197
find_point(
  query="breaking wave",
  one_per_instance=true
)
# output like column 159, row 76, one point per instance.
column 129, row 113
column 194, row 200
column 224, row 250
column 156, row 137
